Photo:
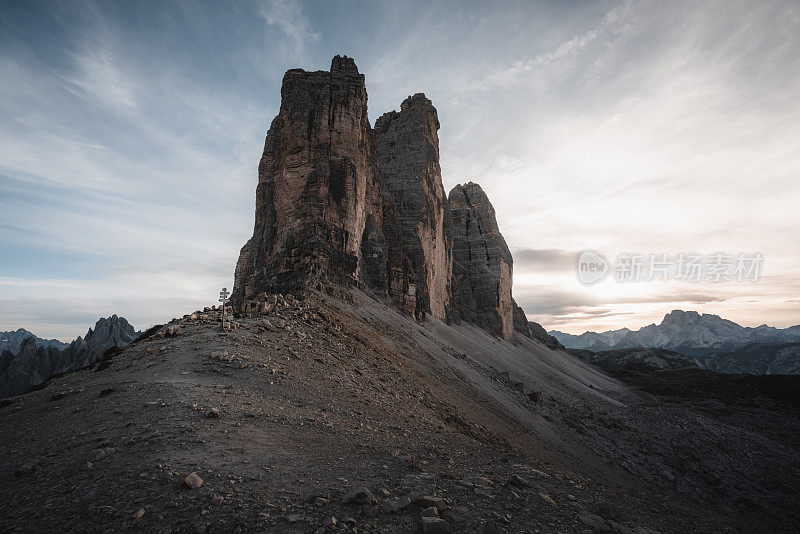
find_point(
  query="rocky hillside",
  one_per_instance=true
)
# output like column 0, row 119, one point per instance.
column 339, row 202
column 11, row 341
column 33, row 364
column 337, row 413
column 637, row 359
column 756, row 358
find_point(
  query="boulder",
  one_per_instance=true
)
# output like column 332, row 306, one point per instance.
column 395, row 505
column 427, row 501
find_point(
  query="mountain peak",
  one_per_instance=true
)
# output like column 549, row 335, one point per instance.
column 339, row 203
column 343, row 64
column 418, row 100
column 681, row 330
column 33, row 359
column 681, row 317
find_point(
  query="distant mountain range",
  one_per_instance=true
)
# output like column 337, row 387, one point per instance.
column 681, row 330
column 38, row 359
column 715, row 342
column 12, row 340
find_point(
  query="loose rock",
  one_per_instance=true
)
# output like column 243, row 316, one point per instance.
column 430, row 512
column 193, row 480
column 395, row 505
column 360, row 495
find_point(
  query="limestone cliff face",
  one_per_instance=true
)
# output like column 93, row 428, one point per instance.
column 338, row 202
column 320, row 211
column 482, row 263
column 408, row 149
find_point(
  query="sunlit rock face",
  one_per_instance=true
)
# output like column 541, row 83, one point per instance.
column 320, row 211
column 482, row 264
column 408, row 149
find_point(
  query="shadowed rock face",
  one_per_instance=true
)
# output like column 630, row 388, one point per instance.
column 482, row 264
column 12, row 341
column 637, row 359
column 342, row 203
column 33, row 365
column 408, row 149
column 320, row 211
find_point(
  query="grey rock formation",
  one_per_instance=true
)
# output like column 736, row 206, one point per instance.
column 340, row 203
column 590, row 340
column 408, row 148
column 12, row 341
column 30, row 366
column 482, row 263
column 320, row 209
column 540, row 334
column 33, row 365
column 521, row 323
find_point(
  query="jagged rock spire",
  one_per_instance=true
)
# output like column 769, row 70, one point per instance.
column 482, row 264
column 408, row 150
column 339, row 202
column 343, row 64
column 320, row 211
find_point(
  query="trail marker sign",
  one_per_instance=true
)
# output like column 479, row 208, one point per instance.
column 223, row 298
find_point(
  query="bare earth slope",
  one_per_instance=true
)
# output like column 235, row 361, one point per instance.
column 289, row 412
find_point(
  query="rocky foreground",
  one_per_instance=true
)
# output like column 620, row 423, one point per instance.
column 320, row 415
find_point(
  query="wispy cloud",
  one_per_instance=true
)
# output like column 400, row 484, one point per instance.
column 566, row 49
column 130, row 138
column 545, row 260
column 288, row 17
column 100, row 78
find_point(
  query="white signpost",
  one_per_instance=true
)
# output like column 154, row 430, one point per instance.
column 223, row 298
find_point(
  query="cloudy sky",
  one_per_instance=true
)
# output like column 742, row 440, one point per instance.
column 130, row 134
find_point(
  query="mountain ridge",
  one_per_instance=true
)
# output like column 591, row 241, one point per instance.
column 32, row 364
column 706, row 340
column 680, row 329
column 12, row 340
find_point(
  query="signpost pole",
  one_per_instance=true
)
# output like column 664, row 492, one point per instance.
column 223, row 298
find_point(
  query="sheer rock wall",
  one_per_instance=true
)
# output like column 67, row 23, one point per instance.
column 339, row 202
